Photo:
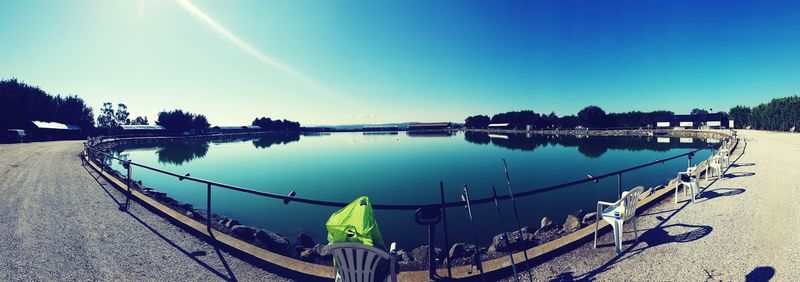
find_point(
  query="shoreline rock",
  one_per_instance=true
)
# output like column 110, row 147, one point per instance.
column 420, row 254
column 273, row 241
column 305, row 240
column 573, row 222
column 548, row 231
column 516, row 241
column 459, row 250
column 244, row 232
column 589, row 218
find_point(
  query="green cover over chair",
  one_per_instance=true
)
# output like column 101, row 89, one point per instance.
column 355, row 223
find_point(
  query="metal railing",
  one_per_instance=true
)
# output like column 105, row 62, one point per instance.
column 91, row 152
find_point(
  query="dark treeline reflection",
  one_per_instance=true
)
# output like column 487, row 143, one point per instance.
column 592, row 147
column 477, row 137
column 180, row 152
column 277, row 138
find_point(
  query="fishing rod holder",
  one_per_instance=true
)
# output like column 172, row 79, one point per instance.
column 430, row 216
column 181, row 178
column 427, row 216
column 291, row 195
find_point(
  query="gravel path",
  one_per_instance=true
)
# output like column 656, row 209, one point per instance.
column 742, row 227
column 59, row 223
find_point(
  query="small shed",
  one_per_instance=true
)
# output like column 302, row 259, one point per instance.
column 500, row 126
column 141, row 130
column 236, row 128
column 715, row 120
column 47, row 130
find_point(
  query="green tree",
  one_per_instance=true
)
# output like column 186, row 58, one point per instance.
column 778, row 114
column 269, row 124
column 200, row 123
column 520, row 119
column 592, row 116
column 551, row 120
column 110, row 118
column 180, row 121
column 106, row 119
column 142, row 120
column 72, row 110
column 175, row 121
column 121, row 115
column 21, row 103
column 478, row 121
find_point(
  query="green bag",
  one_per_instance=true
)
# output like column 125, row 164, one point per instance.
column 355, row 223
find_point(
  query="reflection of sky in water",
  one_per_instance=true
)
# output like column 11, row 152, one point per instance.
column 403, row 169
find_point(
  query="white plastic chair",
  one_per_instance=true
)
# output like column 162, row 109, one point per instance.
column 725, row 156
column 626, row 209
column 689, row 183
column 715, row 165
column 355, row 262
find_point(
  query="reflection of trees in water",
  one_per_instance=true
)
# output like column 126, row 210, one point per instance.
column 276, row 138
column 592, row 151
column 181, row 152
column 518, row 142
column 592, row 147
column 476, row 137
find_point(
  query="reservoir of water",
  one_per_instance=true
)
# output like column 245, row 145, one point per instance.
column 404, row 168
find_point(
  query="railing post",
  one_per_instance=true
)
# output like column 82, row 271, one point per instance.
column 619, row 185
column 208, row 210
column 446, row 238
column 130, row 182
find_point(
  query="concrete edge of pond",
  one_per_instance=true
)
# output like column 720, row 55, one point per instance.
column 305, row 271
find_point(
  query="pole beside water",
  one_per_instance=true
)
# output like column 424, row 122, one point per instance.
column 516, row 217
column 446, row 235
column 505, row 234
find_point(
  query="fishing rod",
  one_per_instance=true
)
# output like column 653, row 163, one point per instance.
column 505, row 234
column 476, row 257
column 516, row 217
column 446, row 237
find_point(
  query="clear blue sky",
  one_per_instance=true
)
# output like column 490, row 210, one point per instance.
column 339, row 62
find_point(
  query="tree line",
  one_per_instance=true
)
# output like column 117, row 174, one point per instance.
column 21, row 103
column 588, row 117
column 180, row 121
column 276, row 125
column 778, row 114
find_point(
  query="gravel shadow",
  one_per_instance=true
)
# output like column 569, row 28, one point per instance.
column 123, row 207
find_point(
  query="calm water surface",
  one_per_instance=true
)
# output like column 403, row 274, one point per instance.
column 404, row 169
